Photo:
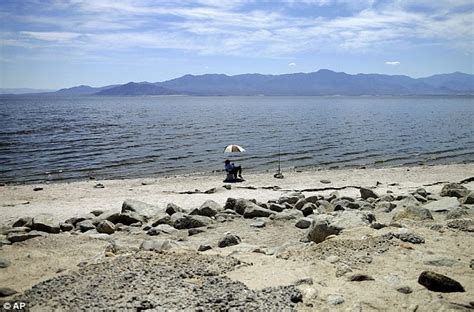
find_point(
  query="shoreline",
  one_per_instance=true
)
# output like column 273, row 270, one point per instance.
column 69, row 199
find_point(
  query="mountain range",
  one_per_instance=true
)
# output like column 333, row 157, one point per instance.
column 322, row 82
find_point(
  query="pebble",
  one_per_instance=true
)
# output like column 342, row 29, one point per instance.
column 204, row 247
column 36, row 189
column 405, row 290
column 258, row 224
column 439, row 283
column 335, row 299
column 5, row 291
column 4, row 263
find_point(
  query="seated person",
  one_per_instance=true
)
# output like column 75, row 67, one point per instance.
column 232, row 169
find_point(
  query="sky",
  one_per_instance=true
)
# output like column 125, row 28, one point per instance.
column 63, row 43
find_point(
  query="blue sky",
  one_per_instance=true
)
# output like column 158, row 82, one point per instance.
column 63, row 43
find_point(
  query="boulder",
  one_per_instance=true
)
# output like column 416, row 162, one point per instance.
column 457, row 213
column 350, row 219
column 66, row 227
column 167, row 229
column 161, row 218
column 276, row 207
column 290, row 198
column 195, row 231
column 127, row 218
column 157, row 245
column 439, row 283
column 25, row 221
column 366, row 193
column 257, row 211
column 143, row 209
column 46, row 223
column 410, row 237
column 468, row 199
column 183, row 221
column 228, row 240
column 313, row 199
column 85, row 226
column 288, row 214
column 106, row 227
column 300, row 203
column 153, row 232
column 444, row 204
column 384, row 206
column 413, row 213
column 304, row 223
column 321, row 228
column 20, row 237
column 230, row 203
column 324, row 204
column 77, row 219
column 5, row 292
column 208, row 209
column 466, row 224
column 407, row 201
column 454, row 190
column 308, row 209
column 204, row 247
column 241, row 205
column 172, row 209
column 387, row 198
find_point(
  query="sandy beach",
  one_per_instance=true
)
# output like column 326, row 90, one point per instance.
column 368, row 265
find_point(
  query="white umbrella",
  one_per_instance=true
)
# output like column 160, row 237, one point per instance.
column 233, row 148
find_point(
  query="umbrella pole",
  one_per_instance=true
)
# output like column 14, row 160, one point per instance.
column 278, row 175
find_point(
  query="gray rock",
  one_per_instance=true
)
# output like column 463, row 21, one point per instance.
column 208, row 209
column 466, row 225
column 243, row 204
column 421, row 191
column 167, row 229
column 309, row 209
column 383, row 206
column 106, row 227
column 204, row 247
column 350, row 219
column 325, row 205
column 153, row 232
column 387, row 198
column 304, row 223
column 288, row 214
column 321, row 228
column 172, row 209
column 161, row 218
column 413, row 213
column 313, row 199
column 66, row 227
column 157, row 245
column 290, row 198
column 230, row 203
column 46, row 222
column 420, row 198
column 366, row 193
column 457, row 213
column 229, row 240
column 146, row 211
column 85, row 226
column 276, row 207
column 439, row 283
column 468, row 199
column 258, row 224
column 75, row 220
column 440, row 262
column 444, row 204
column 410, row 238
column 97, row 212
column 20, row 237
column 404, row 290
column 127, row 218
column 21, row 229
column 256, row 211
column 183, row 221
column 300, row 203
column 325, row 181
column 377, row 225
column 5, row 292
column 195, row 231
column 335, row 299
column 454, row 190
column 25, row 221
column 4, row 263
column 359, row 277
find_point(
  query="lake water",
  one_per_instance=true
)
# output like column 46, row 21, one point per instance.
column 43, row 138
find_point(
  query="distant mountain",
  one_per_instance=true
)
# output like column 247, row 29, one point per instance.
column 134, row 89
column 22, row 90
column 322, row 82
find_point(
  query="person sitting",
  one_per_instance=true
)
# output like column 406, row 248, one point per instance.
column 232, row 169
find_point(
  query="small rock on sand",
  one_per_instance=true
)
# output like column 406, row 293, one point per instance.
column 229, row 240
column 6, row 291
column 4, row 263
column 439, row 283
column 366, row 193
column 335, row 299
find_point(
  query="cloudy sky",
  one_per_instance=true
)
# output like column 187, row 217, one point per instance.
column 62, row 43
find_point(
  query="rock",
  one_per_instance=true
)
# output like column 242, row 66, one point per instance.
column 454, row 190
column 359, row 278
column 457, row 213
column 290, row 198
column 466, row 225
column 420, row 198
column 25, row 221
column 300, row 203
column 366, row 193
column 20, row 237
column 412, row 213
column 4, row 263
column 321, row 228
column 258, row 224
column 242, row 204
column 204, row 247
column 127, row 218
column 166, row 228
column 288, row 214
column 335, row 299
column 75, row 220
column 468, row 199
column 313, row 199
column 383, row 206
column 36, row 189
column 440, row 262
column 387, row 198
column 404, row 290
column 410, row 238
column 66, row 227
column 195, row 231
column 97, row 212
column 421, row 191
column 183, row 221
column 145, row 210
column 325, row 205
column 407, row 201
column 5, row 292
column 350, row 219
column 85, row 226
column 161, row 218
column 172, row 209
column 99, row 185
column 256, row 211
column 208, row 209
column 304, row 223
column 308, row 209
column 444, row 204
column 21, row 229
column 377, row 225
column 106, row 227
column 325, row 181
column 230, row 203
column 46, row 223
column 156, row 245
column 276, row 207
column 439, row 283
column 153, row 232
column 229, row 240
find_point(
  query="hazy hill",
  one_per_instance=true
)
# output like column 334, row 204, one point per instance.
column 132, row 88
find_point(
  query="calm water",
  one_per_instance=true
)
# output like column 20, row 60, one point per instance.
column 74, row 138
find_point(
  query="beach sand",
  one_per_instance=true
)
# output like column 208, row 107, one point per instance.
column 275, row 255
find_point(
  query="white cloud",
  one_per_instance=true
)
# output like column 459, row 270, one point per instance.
column 292, row 64
column 392, row 63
